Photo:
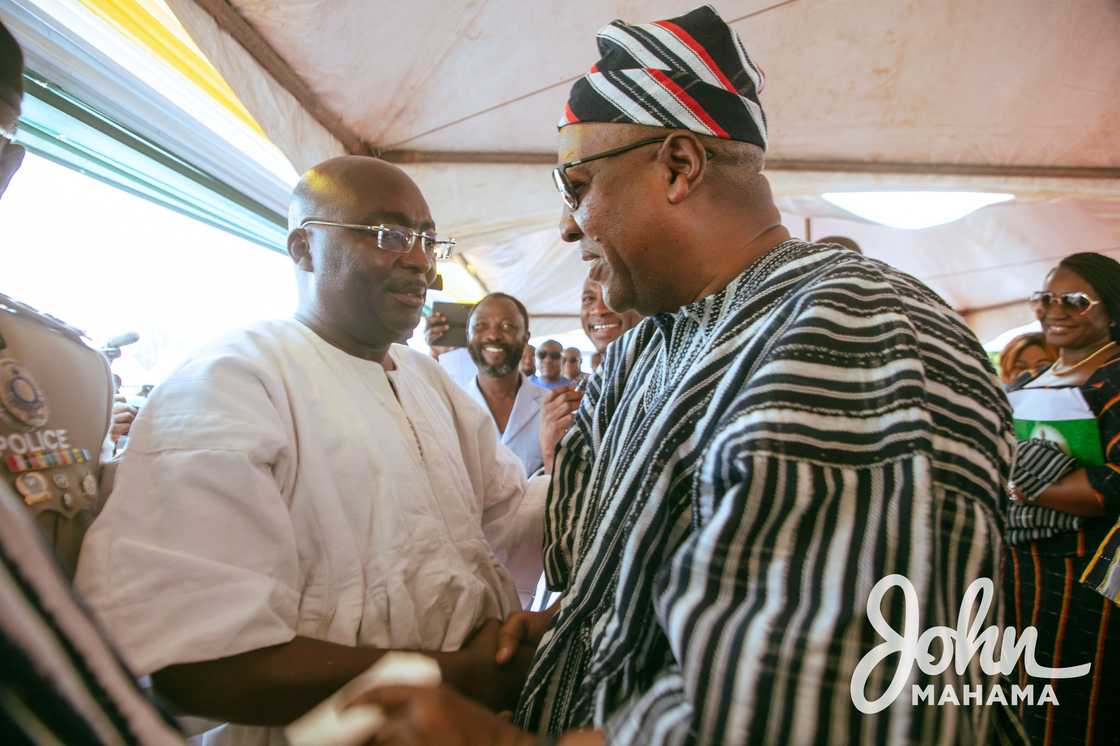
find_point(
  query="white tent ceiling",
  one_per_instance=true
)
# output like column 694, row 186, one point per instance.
column 1006, row 95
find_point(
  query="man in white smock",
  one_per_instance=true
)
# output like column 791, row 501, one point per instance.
column 304, row 495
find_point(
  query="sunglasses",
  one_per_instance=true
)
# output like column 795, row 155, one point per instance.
column 545, row 353
column 1075, row 303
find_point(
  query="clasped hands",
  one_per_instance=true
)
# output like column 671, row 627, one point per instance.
column 489, row 674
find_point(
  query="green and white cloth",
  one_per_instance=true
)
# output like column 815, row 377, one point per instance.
column 1061, row 416
column 1057, row 432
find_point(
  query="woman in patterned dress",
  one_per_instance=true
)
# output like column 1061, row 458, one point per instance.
column 1065, row 503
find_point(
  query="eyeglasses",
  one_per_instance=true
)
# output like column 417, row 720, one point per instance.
column 573, row 360
column 395, row 239
column 1075, row 303
column 545, row 353
column 567, row 189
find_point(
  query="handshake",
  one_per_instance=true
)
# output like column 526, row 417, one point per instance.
column 493, row 664
column 401, row 693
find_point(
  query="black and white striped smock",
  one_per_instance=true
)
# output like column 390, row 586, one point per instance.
column 737, row 479
column 61, row 681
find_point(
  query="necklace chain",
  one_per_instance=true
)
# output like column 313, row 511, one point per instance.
column 1066, row 370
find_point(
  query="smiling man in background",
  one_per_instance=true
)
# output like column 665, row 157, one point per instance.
column 498, row 331
column 304, row 495
column 601, row 324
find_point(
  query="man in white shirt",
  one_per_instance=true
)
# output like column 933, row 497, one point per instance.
column 304, row 495
column 459, row 366
column 498, row 331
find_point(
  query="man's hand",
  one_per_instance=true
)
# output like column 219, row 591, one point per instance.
column 521, row 629
column 435, row 326
column 419, row 716
column 123, row 416
column 556, row 418
column 475, row 672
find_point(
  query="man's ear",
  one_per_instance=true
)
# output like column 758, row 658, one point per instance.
column 685, row 157
column 300, row 250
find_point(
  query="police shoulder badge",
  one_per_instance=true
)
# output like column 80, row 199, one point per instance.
column 22, row 402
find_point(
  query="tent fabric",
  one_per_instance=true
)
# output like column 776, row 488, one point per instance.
column 1009, row 95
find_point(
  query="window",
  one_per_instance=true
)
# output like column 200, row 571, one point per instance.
column 107, row 261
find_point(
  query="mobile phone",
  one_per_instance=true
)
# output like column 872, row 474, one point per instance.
column 457, row 315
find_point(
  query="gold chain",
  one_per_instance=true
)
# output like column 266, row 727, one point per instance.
column 1066, row 371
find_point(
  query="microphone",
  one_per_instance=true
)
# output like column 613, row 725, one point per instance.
column 121, row 340
column 112, row 348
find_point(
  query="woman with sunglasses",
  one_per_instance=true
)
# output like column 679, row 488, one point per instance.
column 1065, row 500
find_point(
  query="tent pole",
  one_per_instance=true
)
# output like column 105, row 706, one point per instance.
column 232, row 22
column 487, row 157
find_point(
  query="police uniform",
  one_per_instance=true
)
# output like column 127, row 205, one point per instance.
column 56, row 400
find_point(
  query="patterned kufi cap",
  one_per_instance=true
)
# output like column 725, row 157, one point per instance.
column 690, row 72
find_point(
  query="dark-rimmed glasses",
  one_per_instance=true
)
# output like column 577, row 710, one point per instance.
column 394, row 238
column 563, row 183
column 542, row 354
column 1077, row 304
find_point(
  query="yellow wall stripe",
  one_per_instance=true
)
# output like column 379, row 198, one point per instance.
column 150, row 24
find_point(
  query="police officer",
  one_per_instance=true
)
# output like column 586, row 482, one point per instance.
column 55, row 391
column 55, row 400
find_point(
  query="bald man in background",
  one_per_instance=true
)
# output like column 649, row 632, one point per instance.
column 305, row 495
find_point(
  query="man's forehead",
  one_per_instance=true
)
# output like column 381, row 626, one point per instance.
column 579, row 140
column 502, row 307
column 414, row 219
column 363, row 190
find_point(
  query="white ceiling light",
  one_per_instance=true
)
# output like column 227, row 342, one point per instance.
column 913, row 210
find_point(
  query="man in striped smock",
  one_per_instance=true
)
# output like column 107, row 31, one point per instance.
column 791, row 424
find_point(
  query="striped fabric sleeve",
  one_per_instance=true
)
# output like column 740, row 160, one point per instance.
column 1106, row 479
column 568, row 481
column 567, row 504
column 661, row 714
column 63, row 682
column 567, row 492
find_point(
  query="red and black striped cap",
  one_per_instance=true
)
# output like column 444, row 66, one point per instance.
column 691, row 72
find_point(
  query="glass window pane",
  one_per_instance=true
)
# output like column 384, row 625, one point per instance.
column 108, row 262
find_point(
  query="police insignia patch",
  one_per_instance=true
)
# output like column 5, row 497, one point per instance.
column 22, row 402
column 33, row 487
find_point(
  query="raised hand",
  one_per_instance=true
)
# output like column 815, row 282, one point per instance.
column 435, row 326
column 123, row 416
column 556, row 418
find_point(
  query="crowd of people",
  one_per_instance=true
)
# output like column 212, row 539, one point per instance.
column 677, row 548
